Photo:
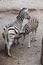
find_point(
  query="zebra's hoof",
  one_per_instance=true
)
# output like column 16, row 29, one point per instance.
column 9, row 53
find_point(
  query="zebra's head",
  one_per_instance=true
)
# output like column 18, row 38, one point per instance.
column 23, row 14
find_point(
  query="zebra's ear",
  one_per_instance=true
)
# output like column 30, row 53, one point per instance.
column 4, row 28
column 21, row 8
column 26, row 10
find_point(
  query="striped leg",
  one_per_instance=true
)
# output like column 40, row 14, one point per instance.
column 33, row 36
column 9, row 47
column 28, row 39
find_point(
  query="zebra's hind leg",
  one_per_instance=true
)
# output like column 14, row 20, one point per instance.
column 9, row 53
column 7, row 50
column 9, row 47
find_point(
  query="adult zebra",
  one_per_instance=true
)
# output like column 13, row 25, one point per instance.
column 13, row 30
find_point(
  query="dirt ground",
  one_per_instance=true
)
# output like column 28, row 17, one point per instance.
column 21, row 55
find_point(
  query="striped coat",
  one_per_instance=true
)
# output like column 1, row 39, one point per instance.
column 30, row 26
column 23, row 23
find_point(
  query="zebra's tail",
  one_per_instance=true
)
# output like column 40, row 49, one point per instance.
column 3, row 35
column 4, row 31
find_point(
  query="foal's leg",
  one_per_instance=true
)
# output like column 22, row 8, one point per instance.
column 33, row 36
column 28, row 38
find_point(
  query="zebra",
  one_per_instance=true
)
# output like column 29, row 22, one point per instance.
column 14, row 29
column 29, row 25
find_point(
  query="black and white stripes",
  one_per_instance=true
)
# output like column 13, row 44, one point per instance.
column 23, row 24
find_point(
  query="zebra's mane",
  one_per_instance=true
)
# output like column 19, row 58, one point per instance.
column 22, row 10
